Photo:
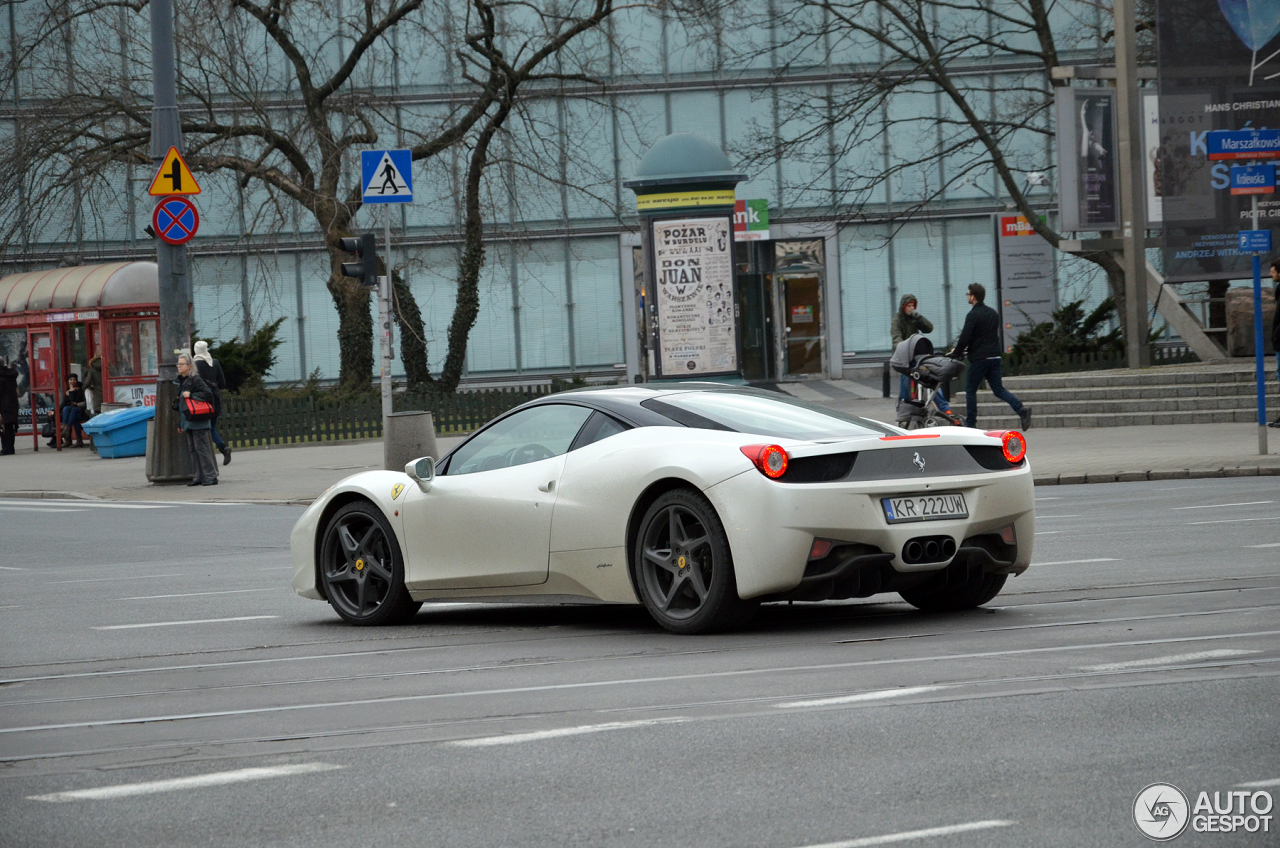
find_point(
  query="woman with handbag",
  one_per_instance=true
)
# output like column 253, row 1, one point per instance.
column 195, row 410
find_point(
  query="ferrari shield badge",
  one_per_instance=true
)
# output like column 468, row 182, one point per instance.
column 396, row 490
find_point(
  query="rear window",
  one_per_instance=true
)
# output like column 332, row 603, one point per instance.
column 768, row 415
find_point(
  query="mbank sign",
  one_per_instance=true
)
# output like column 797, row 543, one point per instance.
column 751, row 220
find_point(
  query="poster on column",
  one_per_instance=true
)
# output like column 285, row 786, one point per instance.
column 697, row 329
column 1219, row 69
column 1026, row 277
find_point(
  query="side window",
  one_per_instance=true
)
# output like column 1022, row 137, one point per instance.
column 540, row 432
column 599, row 427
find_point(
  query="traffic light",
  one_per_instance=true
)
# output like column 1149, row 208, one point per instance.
column 366, row 270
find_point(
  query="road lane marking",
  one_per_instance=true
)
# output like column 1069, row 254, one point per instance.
column 10, row 568
column 878, row 695
column 1261, row 784
column 79, row 504
column 626, row 681
column 1078, row 561
column 221, row 778
column 198, row 594
column 1176, row 658
column 113, row 579
column 6, row 508
column 1054, row 498
column 1077, row 515
column 1231, row 520
column 178, row 623
column 1268, row 545
column 909, row 835
column 558, row 733
column 1051, row 532
column 1216, row 506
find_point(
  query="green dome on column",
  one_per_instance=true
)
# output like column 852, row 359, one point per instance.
column 684, row 159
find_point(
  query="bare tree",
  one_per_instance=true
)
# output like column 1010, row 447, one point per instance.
column 282, row 93
column 947, row 98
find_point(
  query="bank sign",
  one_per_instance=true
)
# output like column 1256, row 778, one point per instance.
column 751, row 220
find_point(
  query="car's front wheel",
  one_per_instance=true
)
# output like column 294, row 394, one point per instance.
column 946, row 593
column 362, row 569
column 683, row 566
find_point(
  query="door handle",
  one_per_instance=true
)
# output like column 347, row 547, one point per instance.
column 549, row 486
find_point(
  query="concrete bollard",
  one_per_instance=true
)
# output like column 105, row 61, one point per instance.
column 409, row 436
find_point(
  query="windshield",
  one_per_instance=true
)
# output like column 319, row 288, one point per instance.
column 769, row 415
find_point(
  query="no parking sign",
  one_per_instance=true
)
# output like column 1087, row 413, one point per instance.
column 175, row 220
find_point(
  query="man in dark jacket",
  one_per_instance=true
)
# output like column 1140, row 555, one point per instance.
column 8, row 408
column 1275, row 326
column 980, row 341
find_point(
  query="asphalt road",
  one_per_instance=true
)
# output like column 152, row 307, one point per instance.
column 161, row 685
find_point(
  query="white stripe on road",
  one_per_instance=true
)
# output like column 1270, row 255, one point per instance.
column 83, row 504
column 113, row 579
column 1216, row 506
column 878, row 695
column 5, row 508
column 199, row 781
column 1077, row 561
column 535, row 736
column 1261, row 784
column 1231, row 520
column 598, row 684
column 10, row 568
column 1076, row 515
column 908, row 835
column 1268, row 545
column 199, row 594
column 178, row 623
column 1176, row 658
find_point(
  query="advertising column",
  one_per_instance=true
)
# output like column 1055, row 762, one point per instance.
column 696, row 330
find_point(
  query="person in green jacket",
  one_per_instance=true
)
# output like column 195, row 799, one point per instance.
column 908, row 321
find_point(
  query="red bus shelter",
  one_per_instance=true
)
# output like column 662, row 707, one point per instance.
column 54, row 322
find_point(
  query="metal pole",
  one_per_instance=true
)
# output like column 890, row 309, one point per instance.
column 1132, row 191
column 168, row 462
column 1259, row 355
column 384, row 322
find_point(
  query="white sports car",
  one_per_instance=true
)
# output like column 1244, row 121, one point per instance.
column 697, row 500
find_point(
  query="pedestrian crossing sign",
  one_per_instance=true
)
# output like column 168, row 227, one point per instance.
column 386, row 176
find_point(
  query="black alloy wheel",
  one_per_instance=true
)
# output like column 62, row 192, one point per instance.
column 683, row 566
column 941, row 594
column 362, row 569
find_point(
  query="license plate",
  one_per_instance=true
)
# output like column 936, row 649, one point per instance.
column 924, row 508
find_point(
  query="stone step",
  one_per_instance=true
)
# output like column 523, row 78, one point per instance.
column 1224, row 391
column 1008, row 421
column 1127, row 407
column 1163, row 375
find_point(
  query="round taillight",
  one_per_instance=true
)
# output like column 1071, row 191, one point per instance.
column 770, row 459
column 1014, row 445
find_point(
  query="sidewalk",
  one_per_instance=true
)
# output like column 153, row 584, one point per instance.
column 299, row 474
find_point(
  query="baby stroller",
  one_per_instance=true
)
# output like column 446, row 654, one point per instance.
column 926, row 371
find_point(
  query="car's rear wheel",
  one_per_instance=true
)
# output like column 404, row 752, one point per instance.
column 945, row 593
column 362, row 569
column 684, row 568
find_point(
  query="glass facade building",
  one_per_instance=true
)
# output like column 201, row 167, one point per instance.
column 562, row 230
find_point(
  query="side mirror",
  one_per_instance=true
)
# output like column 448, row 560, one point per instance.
column 423, row 471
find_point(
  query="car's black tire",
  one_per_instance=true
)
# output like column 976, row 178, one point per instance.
column 362, row 569
column 973, row 592
column 700, row 595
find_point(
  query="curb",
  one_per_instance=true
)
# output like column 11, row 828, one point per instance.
column 40, row 495
column 1153, row 476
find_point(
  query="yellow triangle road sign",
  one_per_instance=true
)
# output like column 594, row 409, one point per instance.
column 174, row 177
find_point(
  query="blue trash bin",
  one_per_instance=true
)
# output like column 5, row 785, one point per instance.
column 122, row 432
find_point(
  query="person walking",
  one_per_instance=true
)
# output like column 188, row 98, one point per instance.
column 8, row 408
column 190, row 385
column 93, row 385
column 1275, row 326
column 211, row 373
column 907, row 321
column 980, row 341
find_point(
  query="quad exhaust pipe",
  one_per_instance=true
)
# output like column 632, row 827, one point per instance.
column 928, row 549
